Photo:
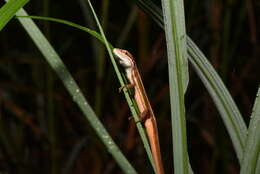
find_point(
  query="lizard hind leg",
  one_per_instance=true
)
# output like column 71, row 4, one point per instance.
column 144, row 115
column 126, row 86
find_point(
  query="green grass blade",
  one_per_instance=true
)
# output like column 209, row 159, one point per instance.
column 252, row 149
column 91, row 32
column 58, row 66
column 7, row 12
column 226, row 106
column 177, row 64
column 257, row 170
column 175, row 22
column 133, row 109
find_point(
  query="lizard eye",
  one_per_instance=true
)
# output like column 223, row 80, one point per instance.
column 127, row 54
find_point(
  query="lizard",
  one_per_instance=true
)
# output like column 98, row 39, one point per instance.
column 127, row 61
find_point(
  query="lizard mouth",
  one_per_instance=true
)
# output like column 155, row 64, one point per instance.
column 125, row 63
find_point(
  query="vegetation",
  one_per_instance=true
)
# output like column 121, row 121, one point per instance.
column 58, row 85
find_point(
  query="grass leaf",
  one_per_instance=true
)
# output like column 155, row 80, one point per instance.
column 225, row 104
column 178, row 72
column 252, row 149
column 62, row 21
column 7, row 12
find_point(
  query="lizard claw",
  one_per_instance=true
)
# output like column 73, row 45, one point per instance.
column 132, row 118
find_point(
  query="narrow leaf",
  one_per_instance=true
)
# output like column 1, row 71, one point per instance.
column 226, row 106
column 252, row 149
column 177, row 63
column 7, row 12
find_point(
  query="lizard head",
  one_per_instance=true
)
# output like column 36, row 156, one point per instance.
column 125, row 58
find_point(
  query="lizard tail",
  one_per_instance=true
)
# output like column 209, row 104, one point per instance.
column 152, row 132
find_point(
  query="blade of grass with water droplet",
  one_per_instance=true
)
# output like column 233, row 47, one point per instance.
column 58, row 66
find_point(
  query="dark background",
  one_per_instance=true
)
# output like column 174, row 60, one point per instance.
column 43, row 131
